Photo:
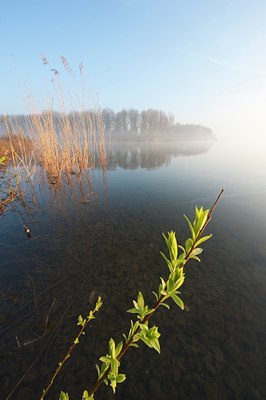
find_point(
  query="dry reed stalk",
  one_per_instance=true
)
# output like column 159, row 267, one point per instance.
column 60, row 143
column 7, row 200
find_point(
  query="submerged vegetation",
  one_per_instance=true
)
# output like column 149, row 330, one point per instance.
column 140, row 331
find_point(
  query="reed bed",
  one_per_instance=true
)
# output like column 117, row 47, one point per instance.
column 60, row 143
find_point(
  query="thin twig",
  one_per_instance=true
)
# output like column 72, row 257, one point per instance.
column 71, row 348
column 34, row 294
column 45, row 327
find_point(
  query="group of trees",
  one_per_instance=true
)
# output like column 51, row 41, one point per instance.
column 127, row 124
column 133, row 122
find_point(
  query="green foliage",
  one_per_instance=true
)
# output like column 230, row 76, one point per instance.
column 130, row 338
column 176, row 260
column 140, row 308
column 110, row 363
column 64, row 396
column 169, row 288
column 2, row 159
column 86, row 396
column 150, row 336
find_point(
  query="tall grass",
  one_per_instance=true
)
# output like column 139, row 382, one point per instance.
column 62, row 142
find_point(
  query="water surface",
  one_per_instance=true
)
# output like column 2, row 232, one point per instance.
column 103, row 236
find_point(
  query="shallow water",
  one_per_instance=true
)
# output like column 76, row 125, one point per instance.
column 104, row 237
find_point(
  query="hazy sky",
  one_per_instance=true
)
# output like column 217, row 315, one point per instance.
column 205, row 61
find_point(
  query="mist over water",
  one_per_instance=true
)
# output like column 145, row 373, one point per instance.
column 102, row 235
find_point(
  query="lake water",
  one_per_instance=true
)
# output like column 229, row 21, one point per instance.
column 102, row 235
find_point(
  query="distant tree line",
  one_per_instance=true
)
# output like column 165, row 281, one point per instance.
column 127, row 124
column 133, row 122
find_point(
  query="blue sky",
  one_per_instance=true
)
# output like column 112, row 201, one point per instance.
column 205, row 61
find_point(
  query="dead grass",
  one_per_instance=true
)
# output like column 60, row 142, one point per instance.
column 8, row 199
column 61, row 144
column 15, row 145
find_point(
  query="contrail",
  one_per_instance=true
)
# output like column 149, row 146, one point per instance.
column 225, row 64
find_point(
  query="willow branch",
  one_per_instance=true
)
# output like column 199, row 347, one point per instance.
column 159, row 301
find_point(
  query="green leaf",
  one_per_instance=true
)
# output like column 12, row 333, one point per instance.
column 112, row 348
column 165, row 305
column 91, row 316
column 63, row 396
column 81, row 321
column 172, row 245
column 156, row 295
column 140, row 300
column 76, row 341
column 168, row 262
column 196, row 258
column 170, row 285
column 188, row 245
column 134, row 326
column 135, row 304
column 203, row 239
column 193, row 236
column 200, row 219
column 180, row 281
column 86, row 396
column 196, row 251
column 178, row 301
column 163, row 283
column 120, row 378
column 112, row 383
column 118, row 348
column 114, row 366
column 134, row 345
column 156, row 345
column 105, row 359
column 150, row 336
column 182, row 248
column 98, row 371
column 146, row 340
column 133, row 311
column 98, row 304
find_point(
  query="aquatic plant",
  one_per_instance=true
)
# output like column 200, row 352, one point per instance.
column 140, row 330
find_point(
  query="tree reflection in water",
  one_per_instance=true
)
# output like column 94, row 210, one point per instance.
column 151, row 155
